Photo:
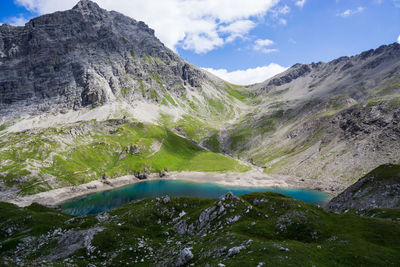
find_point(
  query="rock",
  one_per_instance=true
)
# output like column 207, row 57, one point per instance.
column 183, row 213
column 229, row 196
column 184, row 257
column 284, row 249
column 141, row 175
column 235, row 250
column 73, row 240
column 162, row 174
column 293, row 73
column 206, row 217
column 183, row 228
column 166, row 199
column 232, row 220
column 378, row 189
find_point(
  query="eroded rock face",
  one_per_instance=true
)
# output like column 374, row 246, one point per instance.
column 86, row 56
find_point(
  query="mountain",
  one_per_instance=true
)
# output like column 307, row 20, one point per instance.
column 91, row 95
column 88, row 93
column 88, row 57
column 379, row 189
column 259, row 229
column 331, row 122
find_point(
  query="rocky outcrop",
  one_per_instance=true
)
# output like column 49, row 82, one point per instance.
column 378, row 189
column 184, row 257
column 293, row 73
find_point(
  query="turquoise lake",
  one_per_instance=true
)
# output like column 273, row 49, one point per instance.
column 102, row 201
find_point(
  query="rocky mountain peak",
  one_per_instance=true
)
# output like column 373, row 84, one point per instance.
column 86, row 5
column 86, row 56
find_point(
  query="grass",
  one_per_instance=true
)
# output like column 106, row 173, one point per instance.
column 141, row 88
column 213, row 143
column 136, row 233
column 154, row 95
column 169, row 98
column 387, row 173
column 125, row 91
column 104, row 151
column 194, row 128
column 216, row 105
column 240, row 137
column 238, row 92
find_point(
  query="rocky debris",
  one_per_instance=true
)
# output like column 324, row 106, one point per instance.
column 141, row 175
column 208, row 215
column 184, row 257
column 102, row 217
column 73, row 240
column 183, row 228
column 378, row 189
column 91, row 187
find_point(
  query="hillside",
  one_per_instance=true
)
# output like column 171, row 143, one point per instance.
column 332, row 122
column 260, row 229
column 378, row 190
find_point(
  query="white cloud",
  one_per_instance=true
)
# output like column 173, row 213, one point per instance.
column 277, row 12
column 396, row 3
column 19, row 20
column 301, row 3
column 199, row 25
column 350, row 12
column 398, row 39
column 237, row 29
column 263, row 46
column 249, row 76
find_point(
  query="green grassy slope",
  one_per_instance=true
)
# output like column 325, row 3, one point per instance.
column 41, row 160
column 266, row 227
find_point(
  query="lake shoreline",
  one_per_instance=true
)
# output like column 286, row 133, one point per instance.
column 54, row 198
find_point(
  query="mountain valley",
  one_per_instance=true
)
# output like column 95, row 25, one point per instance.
column 92, row 96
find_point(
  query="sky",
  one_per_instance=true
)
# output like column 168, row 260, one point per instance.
column 247, row 41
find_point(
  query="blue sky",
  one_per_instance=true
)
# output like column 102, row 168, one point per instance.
column 259, row 37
